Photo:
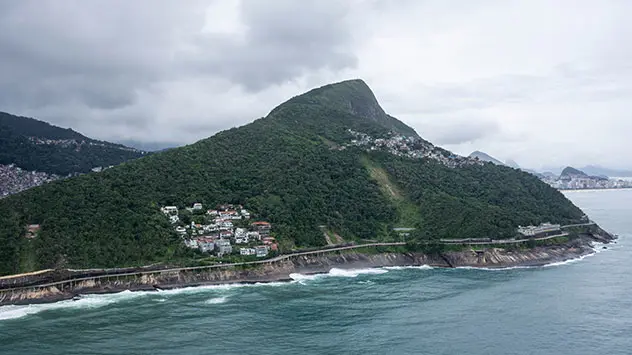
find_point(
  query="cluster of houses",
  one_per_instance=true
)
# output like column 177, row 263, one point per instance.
column 66, row 143
column 542, row 229
column 411, row 147
column 227, row 230
column 13, row 179
column 586, row 182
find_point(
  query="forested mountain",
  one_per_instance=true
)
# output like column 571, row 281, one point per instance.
column 329, row 158
column 34, row 145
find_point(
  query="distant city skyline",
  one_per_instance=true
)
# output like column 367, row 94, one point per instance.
column 521, row 80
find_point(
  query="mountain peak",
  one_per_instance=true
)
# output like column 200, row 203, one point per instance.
column 353, row 97
column 570, row 172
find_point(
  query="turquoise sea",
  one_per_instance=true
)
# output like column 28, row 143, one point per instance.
column 578, row 307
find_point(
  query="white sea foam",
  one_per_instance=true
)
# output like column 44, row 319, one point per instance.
column 302, row 279
column 13, row 312
column 201, row 289
column 557, row 263
column 355, row 272
column 216, row 300
column 86, row 302
column 569, row 261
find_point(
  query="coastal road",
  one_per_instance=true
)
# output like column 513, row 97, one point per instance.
column 207, row 267
column 478, row 241
column 578, row 225
column 471, row 241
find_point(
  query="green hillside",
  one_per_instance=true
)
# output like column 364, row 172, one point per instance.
column 38, row 146
column 301, row 167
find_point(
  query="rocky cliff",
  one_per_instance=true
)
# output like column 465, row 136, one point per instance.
column 282, row 270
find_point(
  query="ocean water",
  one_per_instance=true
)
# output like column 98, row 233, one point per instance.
column 579, row 307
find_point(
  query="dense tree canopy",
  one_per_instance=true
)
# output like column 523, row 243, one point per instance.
column 67, row 151
column 288, row 168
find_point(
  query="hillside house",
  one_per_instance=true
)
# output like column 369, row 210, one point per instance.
column 32, row 230
column 223, row 247
column 261, row 251
column 544, row 228
column 262, row 227
column 247, row 251
column 197, row 206
column 181, row 230
column 169, row 210
column 253, row 235
column 241, row 236
column 206, row 245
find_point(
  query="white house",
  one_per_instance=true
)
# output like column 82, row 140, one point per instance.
column 206, row 245
column 174, row 219
column 530, row 231
column 191, row 243
column 224, row 247
column 261, row 251
column 181, row 230
column 247, row 251
column 226, row 225
column 253, row 235
column 169, row 210
column 242, row 240
column 197, row 206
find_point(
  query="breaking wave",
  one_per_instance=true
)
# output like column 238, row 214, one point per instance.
column 216, row 300
column 596, row 250
column 335, row 272
column 85, row 302
column 355, row 272
column 96, row 301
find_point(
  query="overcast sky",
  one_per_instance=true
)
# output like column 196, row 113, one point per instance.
column 543, row 82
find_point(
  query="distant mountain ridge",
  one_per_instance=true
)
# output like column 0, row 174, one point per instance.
column 601, row 171
column 569, row 172
column 35, row 145
column 485, row 157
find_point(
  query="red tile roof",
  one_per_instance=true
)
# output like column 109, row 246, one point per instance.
column 261, row 223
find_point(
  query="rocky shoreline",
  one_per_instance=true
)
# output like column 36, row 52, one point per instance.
column 308, row 264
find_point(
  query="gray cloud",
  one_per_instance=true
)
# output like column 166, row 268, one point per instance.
column 281, row 41
column 464, row 132
column 104, row 54
column 490, row 75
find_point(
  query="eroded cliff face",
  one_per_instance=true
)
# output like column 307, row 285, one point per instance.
column 501, row 258
column 281, row 270
column 276, row 271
